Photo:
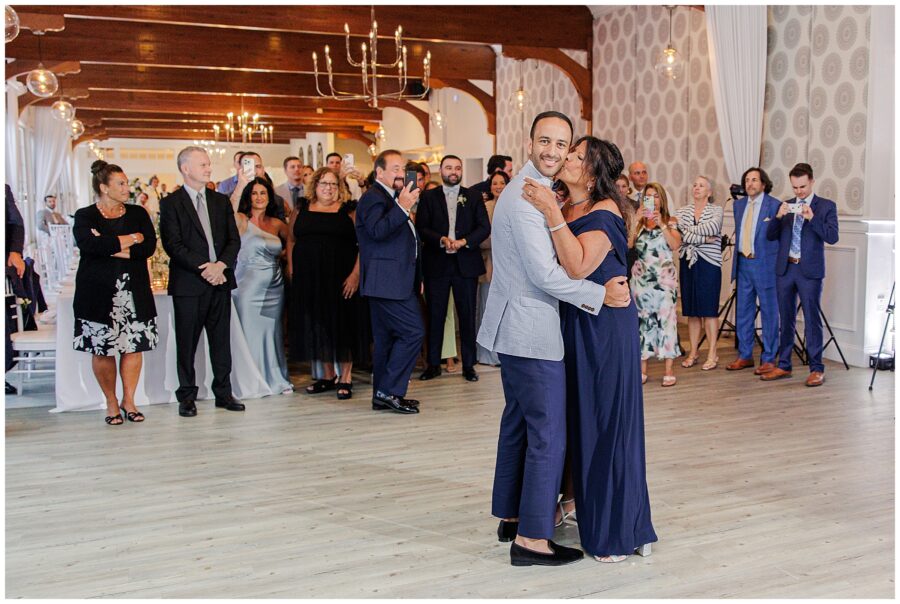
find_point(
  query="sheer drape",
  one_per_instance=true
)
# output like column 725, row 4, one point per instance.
column 737, row 60
column 11, row 146
column 51, row 150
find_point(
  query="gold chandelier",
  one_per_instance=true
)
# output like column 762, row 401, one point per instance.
column 369, row 67
column 244, row 128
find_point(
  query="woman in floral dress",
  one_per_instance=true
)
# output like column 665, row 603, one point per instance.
column 653, row 281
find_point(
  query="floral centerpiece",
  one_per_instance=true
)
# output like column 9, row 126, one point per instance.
column 159, row 262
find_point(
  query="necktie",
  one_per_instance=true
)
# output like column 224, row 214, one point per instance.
column 295, row 191
column 795, row 234
column 203, row 213
column 747, row 230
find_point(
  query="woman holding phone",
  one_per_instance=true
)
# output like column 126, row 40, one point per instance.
column 653, row 280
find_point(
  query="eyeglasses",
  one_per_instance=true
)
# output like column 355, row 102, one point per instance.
column 324, row 184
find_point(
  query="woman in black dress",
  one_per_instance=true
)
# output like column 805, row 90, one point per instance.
column 328, row 321
column 113, row 305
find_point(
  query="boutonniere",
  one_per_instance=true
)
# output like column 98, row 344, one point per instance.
column 461, row 201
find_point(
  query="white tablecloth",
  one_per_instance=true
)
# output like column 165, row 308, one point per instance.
column 77, row 388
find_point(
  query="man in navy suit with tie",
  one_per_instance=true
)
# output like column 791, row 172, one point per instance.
column 754, row 269
column 452, row 222
column 390, row 278
column 802, row 227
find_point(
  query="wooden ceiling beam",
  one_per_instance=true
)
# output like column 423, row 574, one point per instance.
column 163, row 44
column 578, row 75
column 488, row 103
column 560, row 26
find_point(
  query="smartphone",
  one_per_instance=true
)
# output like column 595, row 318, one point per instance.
column 411, row 177
column 795, row 208
column 348, row 160
column 248, row 165
column 649, row 206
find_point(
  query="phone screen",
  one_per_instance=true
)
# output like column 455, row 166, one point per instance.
column 648, row 203
column 411, row 177
column 348, row 160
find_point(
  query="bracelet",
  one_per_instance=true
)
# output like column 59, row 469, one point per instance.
column 557, row 227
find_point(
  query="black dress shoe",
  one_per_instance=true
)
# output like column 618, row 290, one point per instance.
column 382, row 401
column 507, row 531
column 187, row 409
column 432, row 371
column 470, row 374
column 522, row 556
column 410, row 402
column 10, row 389
column 231, row 404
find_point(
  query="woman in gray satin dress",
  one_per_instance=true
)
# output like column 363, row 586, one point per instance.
column 259, row 296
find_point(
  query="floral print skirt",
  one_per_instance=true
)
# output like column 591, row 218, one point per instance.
column 125, row 334
column 655, row 289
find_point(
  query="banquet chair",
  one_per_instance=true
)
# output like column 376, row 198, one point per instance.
column 30, row 347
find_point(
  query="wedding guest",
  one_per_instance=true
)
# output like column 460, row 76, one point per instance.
column 306, row 173
column 152, row 191
column 48, row 215
column 113, row 303
column 496, row 163
column 328, row 321
column 623, row 185
column 15, row 245
column 291, row 190
column 259, row 297
column 654, row 284
column 201, row 277
column 700, row 225
column 226, row 187
column 499, row 180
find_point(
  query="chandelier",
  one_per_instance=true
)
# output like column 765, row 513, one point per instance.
column 244, row 129
column 669, row 63
column 369, row 67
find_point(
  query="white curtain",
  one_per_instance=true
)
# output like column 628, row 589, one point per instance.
column 13, row 90
column 51, row 149
column 737, row 60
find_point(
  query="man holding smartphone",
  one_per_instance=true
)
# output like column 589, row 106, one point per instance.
column 801, row 227
column 390, row 277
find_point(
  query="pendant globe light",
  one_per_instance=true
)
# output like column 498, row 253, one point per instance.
column 76, row 128
column 12, row 24
column 41, row 82
column 63, row 110
column 669, row 62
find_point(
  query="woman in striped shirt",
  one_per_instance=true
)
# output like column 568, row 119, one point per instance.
column 700, row 224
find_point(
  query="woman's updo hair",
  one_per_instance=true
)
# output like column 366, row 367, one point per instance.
column 101, row 172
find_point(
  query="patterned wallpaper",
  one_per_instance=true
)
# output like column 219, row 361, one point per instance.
column 669, row 125
column 816, row 99
column 547, row 88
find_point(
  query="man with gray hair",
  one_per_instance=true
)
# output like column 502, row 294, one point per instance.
column 198, row 231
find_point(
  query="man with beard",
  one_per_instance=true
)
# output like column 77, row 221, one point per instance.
column 390, row 278
column 521, row 324
column 452, row 223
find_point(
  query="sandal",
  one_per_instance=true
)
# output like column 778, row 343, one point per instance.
column 643, row 378
column 320, row 386
column 669, row 380
column 111, row 420
column 642, row 551
column 689, row 362
column 710, row 364
column 133, row 416
column 344, row 391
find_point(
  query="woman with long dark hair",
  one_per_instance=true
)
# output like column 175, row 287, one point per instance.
column 113, row 305
column 605, row 405
column 259, row 297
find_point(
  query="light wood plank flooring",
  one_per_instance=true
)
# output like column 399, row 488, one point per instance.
column 758, row 490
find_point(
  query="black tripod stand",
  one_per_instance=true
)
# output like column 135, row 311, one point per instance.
column 875, row 361
column 800, row 345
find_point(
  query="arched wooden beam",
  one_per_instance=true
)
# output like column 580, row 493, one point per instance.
column 39, row 22
column 359, row 136
column 18, row 68
column 488, row 103
column 28, row 99
column 89, row 135
column 417, row 113
column 580, row 76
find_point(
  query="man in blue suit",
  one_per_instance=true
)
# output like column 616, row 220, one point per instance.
column 754, row 269
column 801, row 227
column 389, row 275
column 452, row 222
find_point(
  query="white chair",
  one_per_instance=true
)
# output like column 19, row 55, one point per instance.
column 31, row 347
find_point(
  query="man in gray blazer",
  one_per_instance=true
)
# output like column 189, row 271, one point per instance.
column 521, row 324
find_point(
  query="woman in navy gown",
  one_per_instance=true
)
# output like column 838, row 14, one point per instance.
column 605, row 405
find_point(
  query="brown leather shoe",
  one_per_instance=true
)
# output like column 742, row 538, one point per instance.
column 775, row 374
column 740, row 364
column 816, row 378
column 765, row 368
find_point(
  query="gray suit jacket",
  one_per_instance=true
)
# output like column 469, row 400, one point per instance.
column 284, row 192
column 521, row 316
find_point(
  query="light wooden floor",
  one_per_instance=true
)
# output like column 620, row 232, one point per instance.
column 758, row 490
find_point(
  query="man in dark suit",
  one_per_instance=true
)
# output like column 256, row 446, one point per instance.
column 197, row 228
column 15, row 244
column 452, row 222
column 753, row 268
column 801, row 227
column 502, row 163
column 390, row 279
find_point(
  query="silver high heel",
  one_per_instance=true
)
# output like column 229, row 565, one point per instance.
column 563, row 514
column 642, row 551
